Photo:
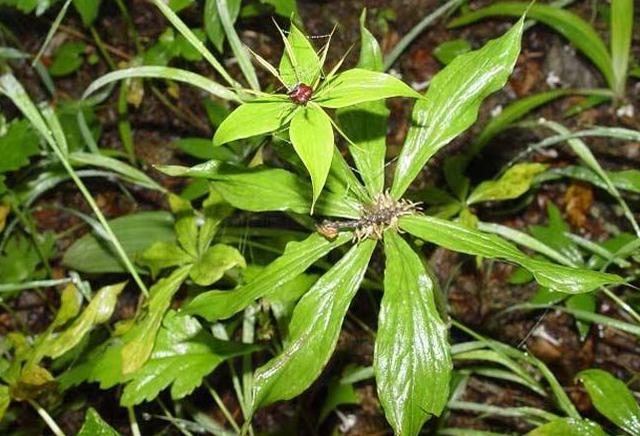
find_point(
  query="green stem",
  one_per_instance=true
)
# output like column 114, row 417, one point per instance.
column 133, row 422
column 222, row 407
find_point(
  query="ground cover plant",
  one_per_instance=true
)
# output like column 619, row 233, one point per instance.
column 291, row 266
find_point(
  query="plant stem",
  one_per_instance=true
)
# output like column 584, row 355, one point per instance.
column 222, row 407
column 133, row 422
column 53, row 426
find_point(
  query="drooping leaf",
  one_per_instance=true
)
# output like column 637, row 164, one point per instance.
column 628, row 180
column 365, row 124
column 138, row 347
column 452, row 102
column 94, row 425
column 579, row 32
column 568, row 427
column 314, row 330
column 512, row 184
column 214, row 263
column 460, row 238
column 411, row 358
column 613, row 399
column 297, row 257
column 183, row 355
column 300, row 62
column 136, row 232
column 312, row 138
column 97, row 312
column 258, row 117
column 359, row 86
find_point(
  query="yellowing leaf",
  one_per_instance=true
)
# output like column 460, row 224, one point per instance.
column 97, row 312
column 512, row 184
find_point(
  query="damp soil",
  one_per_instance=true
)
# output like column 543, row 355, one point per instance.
column 475, row 296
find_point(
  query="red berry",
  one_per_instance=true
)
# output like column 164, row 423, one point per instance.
column 301, row 94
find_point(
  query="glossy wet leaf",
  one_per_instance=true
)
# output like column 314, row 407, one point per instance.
column 568, row 427
column 275, row 189
column 94, row 425
column 612, row 398
column 460, row 238
column 300, row 62
column 365, row 124
column 214, row 263
column 183, row 355
column 452, row 102
column 312, row 138
column 257, row 117
column 138, row 347
column 97, row 312
column 314, row 330
column 411, row 358
column 296, row 259
column 579, row 32
column 136, row 233
column 358, row 86
column 512, row 184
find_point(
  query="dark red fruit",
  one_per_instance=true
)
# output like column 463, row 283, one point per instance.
column 301, row 94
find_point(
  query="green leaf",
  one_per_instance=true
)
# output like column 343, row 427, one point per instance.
column 185, row 225
column 138, row 347
column 365, row 124
column 297, row 257
column 554, row 236
column 613, row 399
column 314, row 330
column 628, row 180
column 460, row 238
column 358, row 86
column 452, row 102
column 284, row 8
column 312, row 138
column 338, row 394
column 136, row 232
column 5, row 400
column 579, row 32
column 130, row 173
column 94, row 425
column 257, row 117
column 214, row 263
column 212, row 23
column 160, row 72
column 512, row 113
column 88, row 10
column 183, row 355
column 269, row 189
column 449, row 50
column 70, row 305
column 585, row 303
column 21, row 257
column 300, row 62
column 163, row 255
column 97, row 312
column 621, row 36
column 18, row 143
column 68, row 58
column 411, row 358
column 512, row 184
column 568, row 427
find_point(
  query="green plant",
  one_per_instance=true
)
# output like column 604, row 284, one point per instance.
column 412, row 362
column 612, row 63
